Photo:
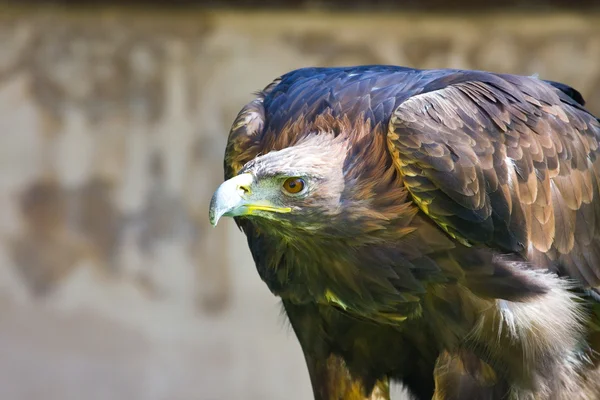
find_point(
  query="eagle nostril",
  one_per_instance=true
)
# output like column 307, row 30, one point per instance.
column 243, row 190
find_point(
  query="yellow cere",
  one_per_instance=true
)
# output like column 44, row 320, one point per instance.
column 257, row 207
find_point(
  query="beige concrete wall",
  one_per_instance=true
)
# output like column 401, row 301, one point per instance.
column 112, row 129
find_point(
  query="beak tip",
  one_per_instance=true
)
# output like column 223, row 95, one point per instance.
column 213, row 218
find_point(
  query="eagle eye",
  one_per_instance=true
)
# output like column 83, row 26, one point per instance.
column 294, row 185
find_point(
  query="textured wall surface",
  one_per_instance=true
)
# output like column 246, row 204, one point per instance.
column 112, row 129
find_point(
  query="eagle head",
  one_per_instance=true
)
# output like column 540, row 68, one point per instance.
column 338, row 182
column 299, row 186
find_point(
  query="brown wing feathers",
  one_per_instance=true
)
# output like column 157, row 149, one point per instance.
column 508, row 162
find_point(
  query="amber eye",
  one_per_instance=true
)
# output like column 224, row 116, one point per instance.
column 294, row 185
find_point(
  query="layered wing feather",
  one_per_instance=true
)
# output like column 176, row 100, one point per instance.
column 506, row 161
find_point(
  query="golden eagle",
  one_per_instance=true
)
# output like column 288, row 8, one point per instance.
column 440, row 228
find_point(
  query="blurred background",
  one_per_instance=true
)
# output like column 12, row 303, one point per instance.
column 113, row 122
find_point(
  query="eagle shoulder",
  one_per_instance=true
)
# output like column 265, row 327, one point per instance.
column 506, row 161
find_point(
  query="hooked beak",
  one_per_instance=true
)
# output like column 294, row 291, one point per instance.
column 234, row 198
